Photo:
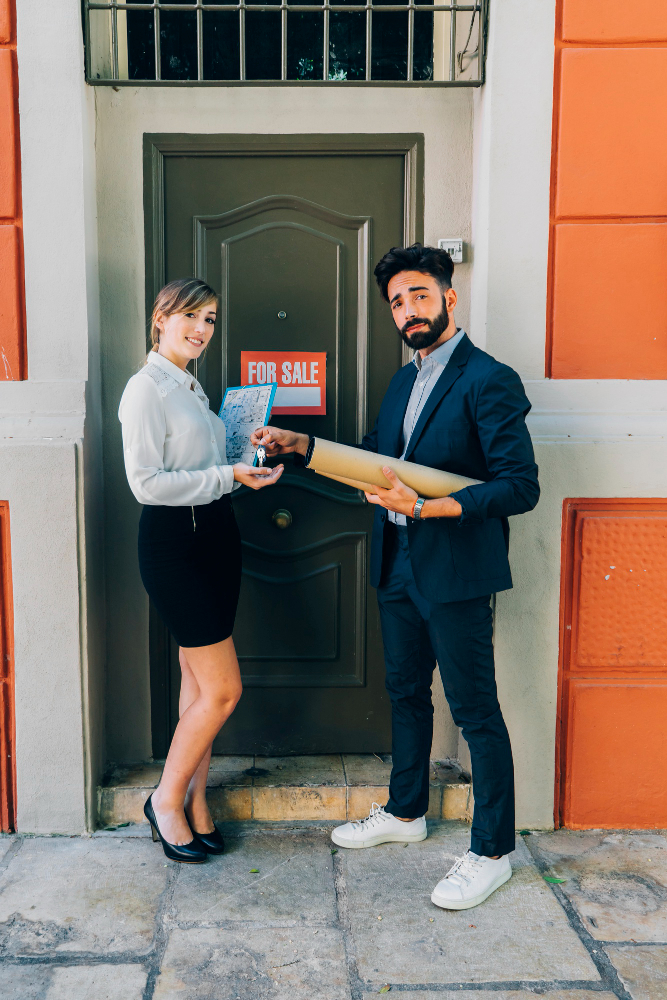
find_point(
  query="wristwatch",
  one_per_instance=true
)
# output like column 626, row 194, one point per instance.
column 417, row 509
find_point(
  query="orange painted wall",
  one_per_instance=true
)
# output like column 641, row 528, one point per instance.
column 608, row 252
column 612, row 753
column 12, row 312
column 7, row 729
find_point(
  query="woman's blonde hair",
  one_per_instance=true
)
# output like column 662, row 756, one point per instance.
column 180, row 296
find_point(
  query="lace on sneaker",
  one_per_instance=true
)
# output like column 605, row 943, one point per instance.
column 464, row 869
column 376, row 814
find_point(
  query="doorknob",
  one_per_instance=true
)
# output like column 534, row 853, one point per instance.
column 281, row 518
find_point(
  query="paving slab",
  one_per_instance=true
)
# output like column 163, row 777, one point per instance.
column 229, row 771
column 293, row 882
column 520, row 933
column 230, row 802
column 298, row 803
column 116, row 806
column 101, row 982
column 6, row 842
column 24, row 982
column 65, row 894
column 493, row 995
column 253, row 964
column 320, row 769
column 136, row 776
column 124, row 831
column 642, row 969
column 617, row 882
column 366, row 769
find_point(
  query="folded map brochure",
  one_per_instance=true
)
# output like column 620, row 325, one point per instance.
column 244, row 409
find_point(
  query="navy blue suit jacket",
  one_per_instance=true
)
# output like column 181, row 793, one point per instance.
column 473, row 424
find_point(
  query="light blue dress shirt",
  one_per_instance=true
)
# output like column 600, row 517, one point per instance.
column 429, row 370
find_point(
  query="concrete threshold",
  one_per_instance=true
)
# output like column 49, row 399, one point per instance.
column 275, row 789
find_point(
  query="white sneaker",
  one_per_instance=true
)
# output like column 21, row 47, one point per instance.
column 379, row 827
column 470, row 881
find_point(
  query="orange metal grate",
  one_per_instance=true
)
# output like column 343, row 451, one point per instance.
column 612, row 738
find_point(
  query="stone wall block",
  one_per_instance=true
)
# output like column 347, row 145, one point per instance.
column 10, row 304
column 8, row 137
column 6, row 22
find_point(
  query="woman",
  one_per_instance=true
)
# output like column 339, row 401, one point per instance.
column 189, row 551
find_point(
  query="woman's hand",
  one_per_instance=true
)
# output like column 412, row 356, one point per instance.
column 256, row 477
column 278, row 441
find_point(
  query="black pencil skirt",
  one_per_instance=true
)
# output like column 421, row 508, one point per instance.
column 190, row 565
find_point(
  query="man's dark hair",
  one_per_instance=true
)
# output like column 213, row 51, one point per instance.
column 428, row 260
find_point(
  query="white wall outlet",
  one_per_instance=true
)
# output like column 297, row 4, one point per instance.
column 454, row 247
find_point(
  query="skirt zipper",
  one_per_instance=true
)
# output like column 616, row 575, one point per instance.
column 194, row 523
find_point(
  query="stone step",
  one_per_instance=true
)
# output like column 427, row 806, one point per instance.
column 275, row 789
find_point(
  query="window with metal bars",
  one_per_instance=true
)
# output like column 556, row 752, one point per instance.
column 192, row 42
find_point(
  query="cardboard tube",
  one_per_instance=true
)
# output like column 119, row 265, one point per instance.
column 363, row 470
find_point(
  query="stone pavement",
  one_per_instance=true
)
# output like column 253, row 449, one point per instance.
column 283, row 915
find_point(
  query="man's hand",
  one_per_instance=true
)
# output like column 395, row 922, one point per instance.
column 278, row 441
column 401, row 499
column 256, row 477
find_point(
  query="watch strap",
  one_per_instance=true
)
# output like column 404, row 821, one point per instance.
column 417, row 509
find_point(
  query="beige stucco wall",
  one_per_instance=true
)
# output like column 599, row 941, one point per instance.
column 49, row 719
column 48, row 473
column 445, row 119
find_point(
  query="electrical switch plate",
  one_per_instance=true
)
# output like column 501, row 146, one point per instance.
column 454, row 247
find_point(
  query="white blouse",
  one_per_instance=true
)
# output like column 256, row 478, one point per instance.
column 174, row 445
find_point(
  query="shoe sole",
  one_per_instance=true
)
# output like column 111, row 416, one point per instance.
column 466, row 904
column 412, row 838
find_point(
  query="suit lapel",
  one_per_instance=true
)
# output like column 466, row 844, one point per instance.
column 399, row 406
column 452, row 372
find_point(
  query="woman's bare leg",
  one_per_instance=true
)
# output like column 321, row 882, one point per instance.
column 196, row 807
column 216, row 672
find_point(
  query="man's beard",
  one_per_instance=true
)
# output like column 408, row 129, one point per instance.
column 424, row 338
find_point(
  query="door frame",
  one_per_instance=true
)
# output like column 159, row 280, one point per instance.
column 159, row 146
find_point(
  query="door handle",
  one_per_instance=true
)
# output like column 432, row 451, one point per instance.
column 281, row 518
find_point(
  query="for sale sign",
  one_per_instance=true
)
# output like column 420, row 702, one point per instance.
column 300, row 377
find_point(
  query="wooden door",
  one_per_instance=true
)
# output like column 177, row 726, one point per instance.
column 293, row 226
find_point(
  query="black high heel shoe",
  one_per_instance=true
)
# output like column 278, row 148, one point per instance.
column 213, row 842
column 192, row 853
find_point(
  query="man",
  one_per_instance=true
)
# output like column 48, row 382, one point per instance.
column 436, row 563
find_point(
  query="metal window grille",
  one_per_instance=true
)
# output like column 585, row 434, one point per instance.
column 192, row 42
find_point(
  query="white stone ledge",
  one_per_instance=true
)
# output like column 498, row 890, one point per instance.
column 40, row 427
column 601, row 410
column 591, row 426
column 42, row 410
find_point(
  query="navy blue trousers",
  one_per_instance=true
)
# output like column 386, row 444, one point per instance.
column 458, row 636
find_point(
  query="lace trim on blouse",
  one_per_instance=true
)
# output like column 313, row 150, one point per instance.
column 163, row 380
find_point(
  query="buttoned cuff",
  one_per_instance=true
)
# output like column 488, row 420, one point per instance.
column 470, row 513
column 226, row 477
